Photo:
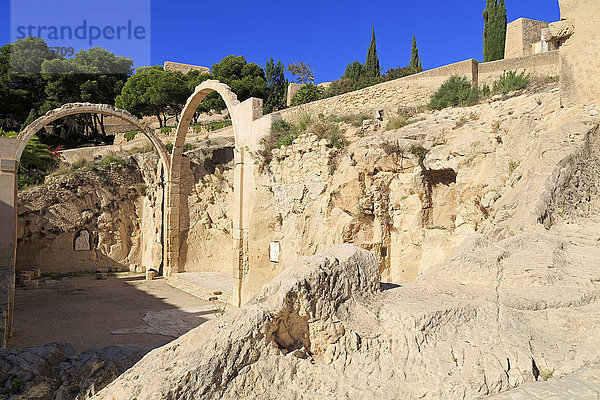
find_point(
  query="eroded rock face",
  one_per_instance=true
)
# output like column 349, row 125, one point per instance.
column 58, row 371
column 82, row 220
column 497, row 168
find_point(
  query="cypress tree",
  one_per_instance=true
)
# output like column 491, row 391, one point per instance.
column 372, row 64
column 415, row 61
column 494, row 30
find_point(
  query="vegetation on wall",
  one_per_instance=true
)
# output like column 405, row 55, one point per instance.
column 494, row 30
column 456, row 91
column 345, row 85
column 510, row 81
column 307, row 94
column 283, row 133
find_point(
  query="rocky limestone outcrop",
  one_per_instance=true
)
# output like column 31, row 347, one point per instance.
column 205, row 209
column 101, row 200
column 492, row 318
column 58, row 371
column 412, row 195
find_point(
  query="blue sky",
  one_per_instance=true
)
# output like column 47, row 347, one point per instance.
column 326, row 34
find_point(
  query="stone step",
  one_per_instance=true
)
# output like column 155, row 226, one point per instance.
column 203, row 286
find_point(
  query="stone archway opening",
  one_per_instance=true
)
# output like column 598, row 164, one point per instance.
column 11, row 150
column 242, row 116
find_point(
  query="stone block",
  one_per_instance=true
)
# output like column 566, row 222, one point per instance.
column 24, row 277
column 141, row 269
column 32, row 284
column 101, row 275
column 37, row 272
column 151, row 274
column 133, row 267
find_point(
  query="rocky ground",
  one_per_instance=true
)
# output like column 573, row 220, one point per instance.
column 59, row 371
column 89, row 313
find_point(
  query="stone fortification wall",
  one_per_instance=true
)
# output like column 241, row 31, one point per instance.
column 412, row 91
column 521, row 35
column 537, row 65
column 416, row 90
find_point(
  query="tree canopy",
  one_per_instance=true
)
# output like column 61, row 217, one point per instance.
column 154, row 91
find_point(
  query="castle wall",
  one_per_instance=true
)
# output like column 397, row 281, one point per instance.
column 412, row 90
column 537, row 65
column 521, row 35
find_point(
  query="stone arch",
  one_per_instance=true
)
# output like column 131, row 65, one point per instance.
column 201, row 91
column 173, row 199
column 89, row 108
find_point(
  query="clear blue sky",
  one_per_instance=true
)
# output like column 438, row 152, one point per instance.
column 325, row 34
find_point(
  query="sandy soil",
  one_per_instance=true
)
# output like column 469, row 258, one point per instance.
column 83, row 311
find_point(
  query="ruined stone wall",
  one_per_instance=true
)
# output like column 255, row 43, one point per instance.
column 580, row 54
column 416, row 90
column 537, row 66
column 412, row 90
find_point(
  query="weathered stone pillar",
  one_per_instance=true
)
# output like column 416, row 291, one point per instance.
column 8, row 245
column 238, row 229
column 171, row 229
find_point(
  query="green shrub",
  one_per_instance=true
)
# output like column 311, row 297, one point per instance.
column 212, row 126
column 456, row 91
column 186, row 147
column 510, row 81
column 307, row 94
column 79, row 164
column 109, row 159
column 141, row 188
column 129, row 136
column 167, row 130
column 337, row 140
column 485, row 90
column 419, row 152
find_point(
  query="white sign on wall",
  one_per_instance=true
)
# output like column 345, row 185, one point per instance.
column 274, row 252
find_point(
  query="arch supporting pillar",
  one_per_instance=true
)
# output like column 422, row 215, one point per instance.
column 8, row 239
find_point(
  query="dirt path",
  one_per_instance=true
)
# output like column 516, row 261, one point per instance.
column 84, row 311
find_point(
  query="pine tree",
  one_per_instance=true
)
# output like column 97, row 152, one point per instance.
column 276, row 86
column 354, row 70
column 494, row 31
column 372, row 64
column 415, row 61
